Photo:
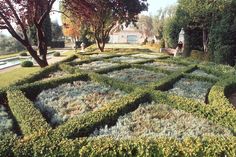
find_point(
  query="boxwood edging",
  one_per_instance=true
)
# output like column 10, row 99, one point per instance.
column 43, row 72
column 117, row 84
column 206, row 146
column 28, row 117
column 219, row 92
column 33, row 89
column 222, row 116
column 201, row 78
column 218, row 70
column 167, row 82
column 87, row 123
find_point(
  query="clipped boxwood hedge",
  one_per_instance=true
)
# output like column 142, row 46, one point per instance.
column 221, row 90
column 27, row 64
column 161, row 147
column 28, row 117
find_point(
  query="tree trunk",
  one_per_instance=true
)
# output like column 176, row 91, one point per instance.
column 42, row 63
column 205, row 40
column 42, row 46
column 101, row 45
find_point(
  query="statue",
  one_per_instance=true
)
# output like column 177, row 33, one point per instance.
column 82, row 47
column 180, row 46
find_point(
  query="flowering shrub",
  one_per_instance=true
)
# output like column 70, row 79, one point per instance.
column 137, row 76
column 127, row 59
column 158, row 120
column 166, row 66
column 202, row 74
column 6, row 123
column 56, row 74
column 148, row 56
column 73, row 99
column 191, row 89
column 97, row 65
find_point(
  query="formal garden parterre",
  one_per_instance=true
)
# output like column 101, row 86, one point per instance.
column 129, row 109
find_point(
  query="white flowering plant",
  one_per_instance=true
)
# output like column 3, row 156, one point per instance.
column 136, row 76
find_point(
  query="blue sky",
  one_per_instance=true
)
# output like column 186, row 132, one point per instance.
column 154, row 5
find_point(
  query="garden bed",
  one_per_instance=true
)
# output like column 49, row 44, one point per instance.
column 165, row 66
column 147, row 56
column 73, row 99
column 56, row 74
column 98, row 56
column 188, row 88
column 136, row 76
column 127, row 59
column 202, row 73
column 6, row 123
column 97, row 65
column 159, row 120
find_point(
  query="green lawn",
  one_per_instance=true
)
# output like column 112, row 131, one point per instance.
column 12, row 76
column 8, row 78
column 9, row 55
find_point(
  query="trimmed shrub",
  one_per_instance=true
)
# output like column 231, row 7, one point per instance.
column 27, row 64
column 57, row 44
column 199, row 55
column 28, row 117
column 23, row 54
column 56, row 54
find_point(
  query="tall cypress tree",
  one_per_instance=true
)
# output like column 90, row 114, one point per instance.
column 47, row 28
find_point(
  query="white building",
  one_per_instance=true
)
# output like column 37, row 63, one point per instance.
column 128, row 34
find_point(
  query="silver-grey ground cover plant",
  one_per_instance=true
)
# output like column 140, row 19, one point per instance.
column 124, row 59
column 97, row 56
column 97, row 65
column 203, row 73
column 160, row 120
column 56, row 74
column 6, row 123
column 73, row 99
column 136, row 76
column 165, row 66
column 148, row 56
column 191, row 89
